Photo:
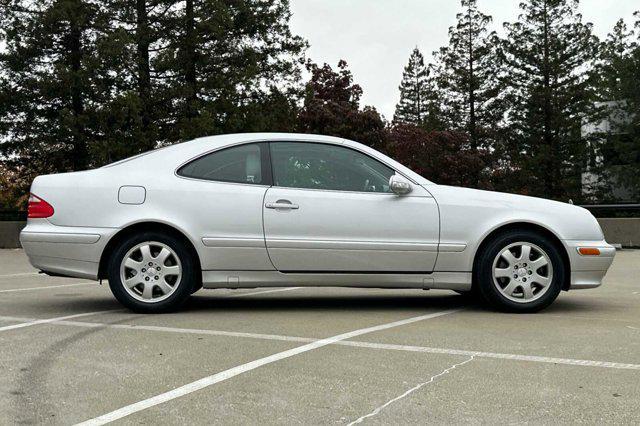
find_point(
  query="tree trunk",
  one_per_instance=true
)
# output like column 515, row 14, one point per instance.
column 190, row 64
column 79, row 142
column 144, row 74
column 549, row 177
column 473, row 137
column 472, row 93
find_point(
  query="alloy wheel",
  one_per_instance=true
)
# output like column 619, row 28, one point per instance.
column 522, row 272
column 151, row 271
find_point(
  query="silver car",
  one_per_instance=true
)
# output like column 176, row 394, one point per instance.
column 257, row 210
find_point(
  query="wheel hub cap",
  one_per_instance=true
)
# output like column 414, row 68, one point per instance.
column 522, row 272
column 151, row 272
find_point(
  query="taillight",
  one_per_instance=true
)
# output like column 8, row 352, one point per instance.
column 38, row 208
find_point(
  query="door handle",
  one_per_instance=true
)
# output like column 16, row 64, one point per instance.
column 282, row 205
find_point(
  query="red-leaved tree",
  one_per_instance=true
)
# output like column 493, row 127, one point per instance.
column 442, row 157
column 332, row 107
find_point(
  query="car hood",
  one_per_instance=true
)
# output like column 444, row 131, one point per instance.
column 509, row 200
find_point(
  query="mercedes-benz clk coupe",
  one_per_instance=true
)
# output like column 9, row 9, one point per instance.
column 277, row 210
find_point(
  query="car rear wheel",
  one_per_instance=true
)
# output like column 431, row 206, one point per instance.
column 152, row 272
column 520, row 271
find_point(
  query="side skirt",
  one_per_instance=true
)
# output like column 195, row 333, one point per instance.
column 460, row 281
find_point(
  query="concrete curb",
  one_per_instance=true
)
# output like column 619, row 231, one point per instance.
column 10, row 234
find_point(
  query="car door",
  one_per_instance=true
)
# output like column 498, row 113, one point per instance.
column 331, row 209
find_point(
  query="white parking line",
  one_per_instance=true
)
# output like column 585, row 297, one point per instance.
column 352, row 343
column 512, row 357
column 50, row 320
column 13, row 290
column 240, row 369
column 410, row 391
column 195, row 331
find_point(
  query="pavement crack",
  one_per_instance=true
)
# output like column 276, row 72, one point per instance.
column 410, row 391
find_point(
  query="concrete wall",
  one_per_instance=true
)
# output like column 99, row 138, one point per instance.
column 9, row 233
column 625, row 231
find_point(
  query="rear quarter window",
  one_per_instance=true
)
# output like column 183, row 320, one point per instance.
column 238, row 164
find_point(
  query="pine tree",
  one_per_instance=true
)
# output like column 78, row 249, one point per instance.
column 467, row 75
column 85, row 82
column 131, row 116
column 618, row 148
column 225, row 56
column 615, row 53
column 418, row 97
column 549, row 53
column 50, row 83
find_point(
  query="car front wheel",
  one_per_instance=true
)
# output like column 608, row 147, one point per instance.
column 152, row 272
column 520, row 271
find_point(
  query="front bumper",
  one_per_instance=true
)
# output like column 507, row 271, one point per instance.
column 65, row 250
column 588, row 271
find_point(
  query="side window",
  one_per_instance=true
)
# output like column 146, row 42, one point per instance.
column 239, row 164
column 324, row 166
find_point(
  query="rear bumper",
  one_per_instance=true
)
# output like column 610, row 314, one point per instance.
column 588, row 271
column 65, row 250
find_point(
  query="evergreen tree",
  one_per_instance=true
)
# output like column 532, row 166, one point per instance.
column 418, row 97
column 85, row 82
column 50, row 83
column 615, row 53
column 617, row 151
column 200, row 67
column 130, row 119
column 223, row 57
column 549, row 52
column 467, row 76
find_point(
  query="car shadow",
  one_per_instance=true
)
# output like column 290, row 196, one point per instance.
column 357, row 302
column 210, row 300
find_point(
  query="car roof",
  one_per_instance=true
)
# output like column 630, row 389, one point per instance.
column 219, row 141
column 180, row 153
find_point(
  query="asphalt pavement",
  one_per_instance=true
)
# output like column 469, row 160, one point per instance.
column 69, row 353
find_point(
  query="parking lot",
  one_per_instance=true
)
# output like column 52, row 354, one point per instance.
column 69, row 353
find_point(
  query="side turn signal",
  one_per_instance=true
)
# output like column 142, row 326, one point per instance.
column 589, row 251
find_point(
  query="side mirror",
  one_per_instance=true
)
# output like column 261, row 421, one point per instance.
column 399, row 185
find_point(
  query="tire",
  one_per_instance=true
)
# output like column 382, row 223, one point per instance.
column 520, row 283
column 160, row 270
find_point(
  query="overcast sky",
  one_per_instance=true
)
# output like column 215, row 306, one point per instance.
column 376, row 37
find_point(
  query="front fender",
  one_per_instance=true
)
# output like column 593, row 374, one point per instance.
column 468, row 216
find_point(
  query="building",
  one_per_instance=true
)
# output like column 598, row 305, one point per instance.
column 597, row 182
